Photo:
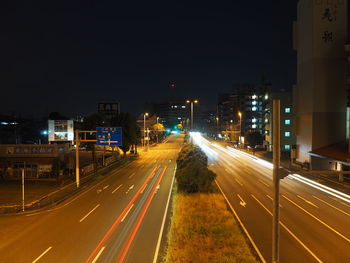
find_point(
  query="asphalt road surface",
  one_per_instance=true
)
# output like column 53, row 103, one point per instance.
column 118, row 219
column 314, row 221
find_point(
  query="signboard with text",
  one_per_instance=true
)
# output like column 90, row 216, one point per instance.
column 109, row 136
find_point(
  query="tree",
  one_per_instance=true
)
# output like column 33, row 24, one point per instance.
column 131, row 133
column 254, row 138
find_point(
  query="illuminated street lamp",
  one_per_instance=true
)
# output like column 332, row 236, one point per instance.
column 192, row 101
column 144, row 128
column 157, row 128
column 240, row 126
column 217, row 125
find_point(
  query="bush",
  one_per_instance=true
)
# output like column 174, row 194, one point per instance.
column 192, row 174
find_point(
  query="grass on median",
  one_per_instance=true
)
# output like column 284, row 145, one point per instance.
column 203, row 230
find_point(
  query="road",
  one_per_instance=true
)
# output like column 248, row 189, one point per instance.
column 119, row 219
column 314, row 223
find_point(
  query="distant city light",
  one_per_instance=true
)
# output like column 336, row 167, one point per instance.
column 44, row 132
column 254, row 108
column 254, row 120
column 254, row 97
column 254, row 126
column 254, row 102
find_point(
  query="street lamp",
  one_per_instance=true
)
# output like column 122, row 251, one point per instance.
column 157, row 129
column 217, row 126
column 192, row 101
column 240, row 126
column 144, row 129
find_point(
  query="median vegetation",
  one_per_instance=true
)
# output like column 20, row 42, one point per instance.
column 202, row 229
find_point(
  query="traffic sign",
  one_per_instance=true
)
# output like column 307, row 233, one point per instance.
column 109, row 136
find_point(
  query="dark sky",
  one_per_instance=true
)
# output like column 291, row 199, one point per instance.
column 66, row 57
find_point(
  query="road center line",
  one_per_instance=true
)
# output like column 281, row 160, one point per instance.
column 289, row 231
column 117, row 189
column 131, row 175
column 319, row 220
column 336, row 208
column 105, row 187
column 126, row 214
column 42, row 254
column 81, row 220
column 98, row 255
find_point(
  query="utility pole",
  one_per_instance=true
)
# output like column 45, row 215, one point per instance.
column 77, row 176
column 276, row 181
column 24, row 166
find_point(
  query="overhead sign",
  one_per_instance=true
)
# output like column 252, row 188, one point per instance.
column 109, row 136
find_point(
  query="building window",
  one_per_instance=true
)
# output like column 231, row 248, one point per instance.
column 266, row 96
column 287, row 134
column 254, row 102
column 254, row 108
column 254, row 120
column 287, row 147
column 254, row 126
column 184, row 107
column 254, row 97
column 287, row 110
column 287, row 122
column 266, row 120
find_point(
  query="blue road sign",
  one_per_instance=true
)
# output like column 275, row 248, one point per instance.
column 109, row 136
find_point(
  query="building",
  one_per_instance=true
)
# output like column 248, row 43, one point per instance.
column 320, row 34
column 109, row 109
column 243, row 110
column 287, row 138
column 38, row 161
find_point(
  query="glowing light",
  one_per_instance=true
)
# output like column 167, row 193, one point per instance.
column 254, row 108
column 254, row 102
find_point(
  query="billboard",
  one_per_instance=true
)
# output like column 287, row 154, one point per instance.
column 61, row 130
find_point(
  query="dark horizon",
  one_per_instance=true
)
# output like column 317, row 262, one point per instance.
column 67, row 58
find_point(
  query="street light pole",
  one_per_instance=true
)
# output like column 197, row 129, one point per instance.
column 240, row 127
column 144, row 129
column 157, row 129
column 276, row 181
column 193, row 101
column 77, row 175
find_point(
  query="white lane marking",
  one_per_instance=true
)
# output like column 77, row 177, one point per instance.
column 155, row 258
column 117, row 189
column 319, row 220
column 158, row 186
column 307, row 201
column 272, row 200
column 341, row 202
column 261, row 181
column 130, row 188
column 239, row 182
column 143, row 189
column 104, row 188
column 98, row 255
column 99, row 191
column 126, row 213
column 244, row 228
column 242, row 202
column 336, row 208
column 289, row 231
column 81, row 220
column 41, row 255
column 131, row 175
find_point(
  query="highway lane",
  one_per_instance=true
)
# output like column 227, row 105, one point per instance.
column 101, row 214
column 314, row 224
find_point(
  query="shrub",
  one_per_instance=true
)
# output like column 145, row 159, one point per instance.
column 192, row 174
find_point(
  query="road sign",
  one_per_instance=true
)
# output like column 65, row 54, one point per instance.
column 109, row 136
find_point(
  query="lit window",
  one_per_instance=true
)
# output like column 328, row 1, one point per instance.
column 287, row 147
column 266, row 132
column 175, row 106
column 254, row 102
column 266, row 96
column 231, row 121
column 254, row 97
column 266, row 120
column 179, row 118
column 287, row 122
column 287, row 134
column 254, row 126
column 287, row 110
column 184, row 107
column 254, row 108
column 254, row 120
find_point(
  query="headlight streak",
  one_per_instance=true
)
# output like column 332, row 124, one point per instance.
column 236, row 153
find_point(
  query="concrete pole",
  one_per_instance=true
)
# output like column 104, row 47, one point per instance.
column 77, row 175
column 144, row 130
column 276, row 181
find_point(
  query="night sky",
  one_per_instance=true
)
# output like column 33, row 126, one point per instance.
column 66, row 57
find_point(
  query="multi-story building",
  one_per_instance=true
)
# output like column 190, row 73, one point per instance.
column 287, row 138
column 243, row 110
column 320, row 33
